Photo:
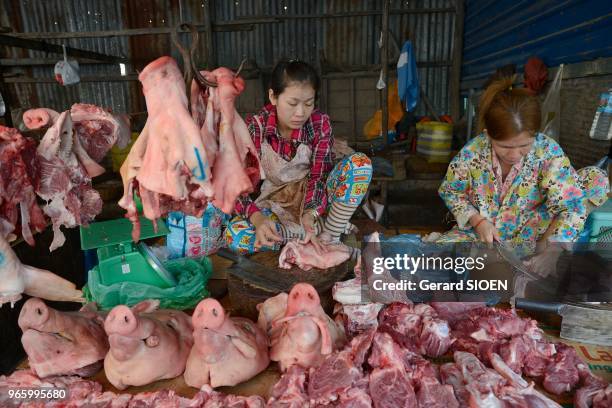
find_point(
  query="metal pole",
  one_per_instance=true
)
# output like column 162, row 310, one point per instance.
column 385, row 70
column 455, row 82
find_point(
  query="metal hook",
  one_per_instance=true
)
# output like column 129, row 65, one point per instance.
column 190, row 69
column 244, row 60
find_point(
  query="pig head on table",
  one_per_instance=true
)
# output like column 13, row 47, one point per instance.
column 62, row 343
column 146, row 344
column 302, row 334
column 226, row 351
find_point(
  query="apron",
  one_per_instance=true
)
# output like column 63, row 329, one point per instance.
column 284, row 187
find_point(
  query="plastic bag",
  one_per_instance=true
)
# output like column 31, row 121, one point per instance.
column 192, row 276
column 193, row 237
column 67, row 71
column 551, row 108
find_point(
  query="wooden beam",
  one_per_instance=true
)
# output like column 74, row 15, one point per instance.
column 455, row 74
column 12, row 41
column 422, row 10
column 50, row 80
column 129, row 32
column 30, row 62
column 385, row 69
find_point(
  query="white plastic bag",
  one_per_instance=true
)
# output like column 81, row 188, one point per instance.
column 551, row 108
column 67, row 71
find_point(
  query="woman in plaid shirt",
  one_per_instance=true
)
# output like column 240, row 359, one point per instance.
column 302, row 194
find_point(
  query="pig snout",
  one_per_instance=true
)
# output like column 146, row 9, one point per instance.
column 120, row 320
column 34, row 313
column 209, row 314
column 303, row 297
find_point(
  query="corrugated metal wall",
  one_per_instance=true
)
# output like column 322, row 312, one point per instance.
column 345, row 41
column 500, row 32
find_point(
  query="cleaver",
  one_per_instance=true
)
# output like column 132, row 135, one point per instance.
column 584, row 322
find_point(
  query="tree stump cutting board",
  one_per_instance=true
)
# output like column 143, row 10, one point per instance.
column 253, row 280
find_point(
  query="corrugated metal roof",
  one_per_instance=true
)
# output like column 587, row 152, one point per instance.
column 345, row 41
column 81, row 15
column 509, row 32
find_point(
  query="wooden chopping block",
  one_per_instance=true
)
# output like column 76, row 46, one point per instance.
column 249, row 285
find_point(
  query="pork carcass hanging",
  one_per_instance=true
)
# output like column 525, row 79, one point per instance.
column 97, row 129
column 65, row 182
column 236, row 165
column 16, row 278
column 19, row 179
column 167, row 165
column 62, row 343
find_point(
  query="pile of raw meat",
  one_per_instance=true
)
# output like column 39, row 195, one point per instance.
column 378, row 360
column 58, row 170
column 85, row 393
column 189, row 152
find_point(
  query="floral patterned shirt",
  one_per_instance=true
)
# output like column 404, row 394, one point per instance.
column 545, row 188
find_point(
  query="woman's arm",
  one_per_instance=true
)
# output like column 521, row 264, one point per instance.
column 454, row 192
column 565, row 199
column 322, row 163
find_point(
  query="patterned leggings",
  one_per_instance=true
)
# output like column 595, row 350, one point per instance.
column 347, row 183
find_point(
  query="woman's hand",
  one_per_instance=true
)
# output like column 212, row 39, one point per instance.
column 486, row 231
column 265, row 230
column 544, row 263
column 308, row 223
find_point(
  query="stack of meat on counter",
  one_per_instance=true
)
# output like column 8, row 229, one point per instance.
column 367, row 356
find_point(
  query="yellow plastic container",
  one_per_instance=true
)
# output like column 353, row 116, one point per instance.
column 434, row 141
column 118, row 155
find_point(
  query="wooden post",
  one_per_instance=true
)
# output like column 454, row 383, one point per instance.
column 385, row 68
column 210, row 51
column 353, row 102
column 455, row 77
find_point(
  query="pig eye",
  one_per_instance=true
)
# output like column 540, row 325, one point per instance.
column 214, row 312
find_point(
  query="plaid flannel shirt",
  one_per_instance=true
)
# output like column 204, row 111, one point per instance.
column 316, row 133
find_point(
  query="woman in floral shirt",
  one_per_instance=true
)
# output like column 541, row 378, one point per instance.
column 512, row 183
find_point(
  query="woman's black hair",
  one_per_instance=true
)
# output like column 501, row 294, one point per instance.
column 287, row 71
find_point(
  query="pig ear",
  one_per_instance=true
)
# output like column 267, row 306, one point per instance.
column 245, row 348
column 326, row 343
column 152, row 341
column 146, row 306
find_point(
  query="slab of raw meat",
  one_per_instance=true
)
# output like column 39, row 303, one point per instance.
column 390, row 388
column 19, row 179
column 416, row 327
column 65, row 184
column 168, row 160
column 290, row 390
column 357, row 318
column 339, row 371
column 307, row 256
column 62, row 343
column 16, row 278
column 98, row 129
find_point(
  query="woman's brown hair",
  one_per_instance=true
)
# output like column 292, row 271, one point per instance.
column 506, row 111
